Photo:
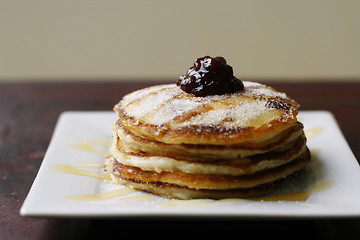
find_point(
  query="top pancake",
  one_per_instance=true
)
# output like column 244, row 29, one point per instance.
column 167, row 114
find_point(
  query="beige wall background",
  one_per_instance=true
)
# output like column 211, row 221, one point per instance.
column 159, row 39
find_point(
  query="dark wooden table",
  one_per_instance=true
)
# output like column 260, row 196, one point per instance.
column 28, row 114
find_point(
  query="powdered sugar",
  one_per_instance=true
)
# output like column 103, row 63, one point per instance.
column 143, row 102
column 174, row 108
column 265, row 92
column 244, row 115
column 166, row 103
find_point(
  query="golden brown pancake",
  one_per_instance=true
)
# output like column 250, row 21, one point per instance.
column 173, row 144
column 134, row 143
column 167, row 114
column 236, row 167
column 139, row 179
column 211, row 181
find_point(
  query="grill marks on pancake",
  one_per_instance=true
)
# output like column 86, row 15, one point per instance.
column 205, row 107
column 146, row 95
column 200, row 107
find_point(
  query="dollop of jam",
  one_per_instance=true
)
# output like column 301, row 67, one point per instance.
column 210, row 76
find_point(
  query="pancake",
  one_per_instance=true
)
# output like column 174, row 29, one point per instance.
column 167, row 114
column 212, row 181
column 182, row 192
column 134, row 143
column 236, row 167
column 178, row 145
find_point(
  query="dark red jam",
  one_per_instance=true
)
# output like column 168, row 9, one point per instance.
column 210, row 76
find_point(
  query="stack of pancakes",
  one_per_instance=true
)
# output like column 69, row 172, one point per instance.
column 173, row 144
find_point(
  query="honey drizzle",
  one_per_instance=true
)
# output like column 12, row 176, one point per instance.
column 311, row 133
column 70, row 168
column 89, row 146
column 97, row 165
column 106, row 143
column 103, row 196
column 140, row 197
column 108, row 195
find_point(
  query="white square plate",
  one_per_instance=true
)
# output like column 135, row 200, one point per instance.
column 49, row 195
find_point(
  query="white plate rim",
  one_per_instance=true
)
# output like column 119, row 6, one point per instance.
column 333, row 209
